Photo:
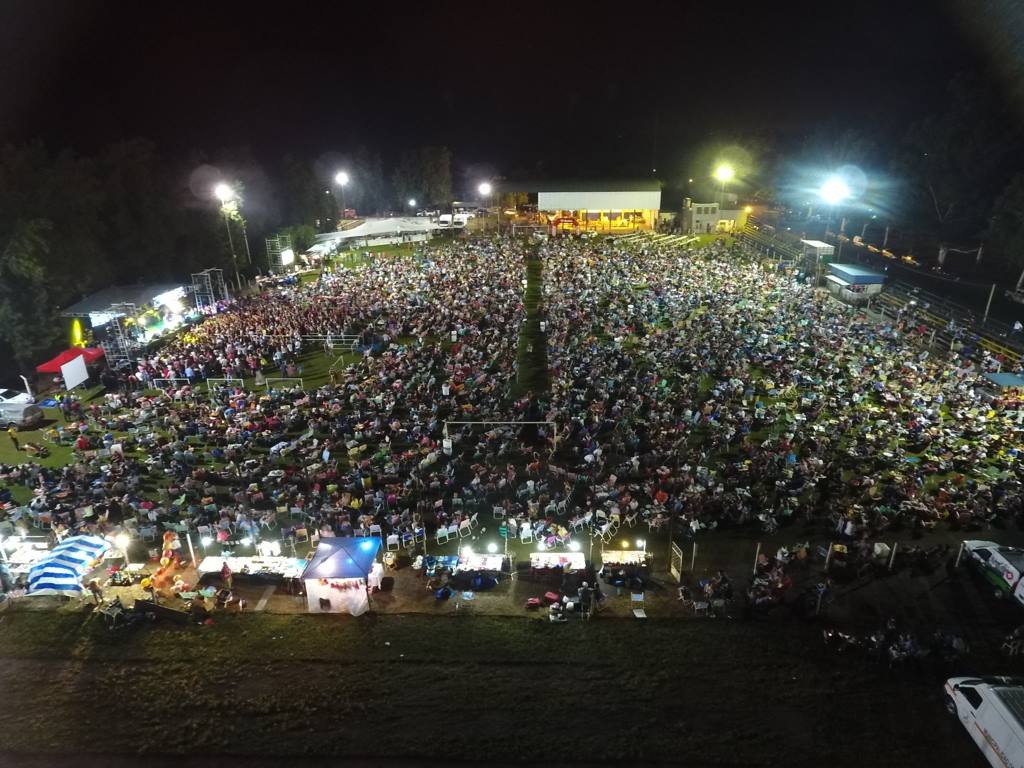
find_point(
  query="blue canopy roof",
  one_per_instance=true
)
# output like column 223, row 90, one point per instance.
column 1005, row 380
column 855, row 275
column 62, row 569
column 343, row 558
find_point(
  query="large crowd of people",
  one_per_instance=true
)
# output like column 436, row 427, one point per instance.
column 696, row 388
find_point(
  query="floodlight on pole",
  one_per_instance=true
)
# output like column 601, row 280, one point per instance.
column 226, row 194
column 725, row 172
column 412, row 202
column 341, row 178
column 485, row 189
column 834, row 190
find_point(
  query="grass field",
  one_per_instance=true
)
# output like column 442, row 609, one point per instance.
column 698, row 693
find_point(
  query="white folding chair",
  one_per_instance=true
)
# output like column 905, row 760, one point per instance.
column 498, row 512
column 465, row 529
column 442, row 535
column 296, row 512
column 453, row 531
column 375, row 530
column 526, row 534
column 393, row 542
column 700, row 608
column 636, row 600
column 473, row 521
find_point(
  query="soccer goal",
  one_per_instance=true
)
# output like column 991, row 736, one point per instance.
column 230, row 381
column 284, row 383
column 170, row 383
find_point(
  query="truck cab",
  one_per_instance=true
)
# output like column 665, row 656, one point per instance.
column 991, row 709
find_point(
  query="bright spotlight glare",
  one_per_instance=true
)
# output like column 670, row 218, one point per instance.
column 834, row 190
column 412, row 202
column 574, row 546
column 341, row 178
column 484, row 188
column 724, row 172
column 224, row 192
column 492, row 547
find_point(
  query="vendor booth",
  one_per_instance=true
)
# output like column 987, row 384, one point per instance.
column 339, row 574
column 852, row 284
column 62, row 570
column 254, row 570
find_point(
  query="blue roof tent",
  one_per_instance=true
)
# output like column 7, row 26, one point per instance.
column 343, row 558
column 1006, row 380
column 855, row 275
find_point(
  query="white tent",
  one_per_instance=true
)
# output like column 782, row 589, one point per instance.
column 407, row 227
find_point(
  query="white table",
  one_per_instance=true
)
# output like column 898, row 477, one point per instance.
column 477, row 562
column 288, row 567
column 574, row 561
column 624, row 557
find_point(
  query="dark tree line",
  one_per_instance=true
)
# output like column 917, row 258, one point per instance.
column 72, row 224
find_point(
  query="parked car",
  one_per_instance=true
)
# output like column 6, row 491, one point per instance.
column 14, row 396
column 990, row 709
column 20, row 415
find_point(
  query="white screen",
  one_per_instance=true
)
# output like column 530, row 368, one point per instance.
column 74, row 372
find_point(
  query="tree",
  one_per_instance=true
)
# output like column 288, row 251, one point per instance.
column 27, row 321
column 1005, row 233
column 953, row 164
column 424, row 174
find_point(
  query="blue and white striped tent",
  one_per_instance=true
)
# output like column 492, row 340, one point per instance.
column 61, row 571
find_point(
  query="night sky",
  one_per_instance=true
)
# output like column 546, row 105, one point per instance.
column 521, row 88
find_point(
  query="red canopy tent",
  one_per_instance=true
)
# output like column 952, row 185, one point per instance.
column 91, row 355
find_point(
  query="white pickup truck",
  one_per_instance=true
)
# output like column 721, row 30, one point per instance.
column 1002, row 567
column 992, row 711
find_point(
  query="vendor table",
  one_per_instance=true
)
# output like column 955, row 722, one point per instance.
column 433, row 563
column 624, row 557
column 475, row 562
column 25, row 555
column 574, row 561
column 254, row 568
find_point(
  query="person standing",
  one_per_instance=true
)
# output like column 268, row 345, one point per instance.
column 96, row 590
column 12, row 432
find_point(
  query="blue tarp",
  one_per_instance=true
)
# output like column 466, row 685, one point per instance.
column 855, row 275
column 61, row 570
column 1005, row 380
column 343, row 558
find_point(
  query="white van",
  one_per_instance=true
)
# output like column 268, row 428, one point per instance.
column 992, row 711
column 20, row 415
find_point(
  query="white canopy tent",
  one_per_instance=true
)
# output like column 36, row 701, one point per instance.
column 376, row 232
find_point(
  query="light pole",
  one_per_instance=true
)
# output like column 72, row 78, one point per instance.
column 834, row 191
column 341, row 179
column 485, row 190
column 226, row 195
column 724, row 173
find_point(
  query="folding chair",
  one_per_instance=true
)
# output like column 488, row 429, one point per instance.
column 453, row 531
column 301, row 535
column 700, row 608
column 407, row 540
column 419, row 535
column 44, row 521
column 631, row 520
column 526, row 534
column 473, row 521
column 296, row 512
column 375, row 530
column 576, row 524
column 392, row 542
column 204, row 530
column 442, row 535
column 636, row 600
column 148, row 533
column 465, row 529
column 498, row 513
column 314, row 537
